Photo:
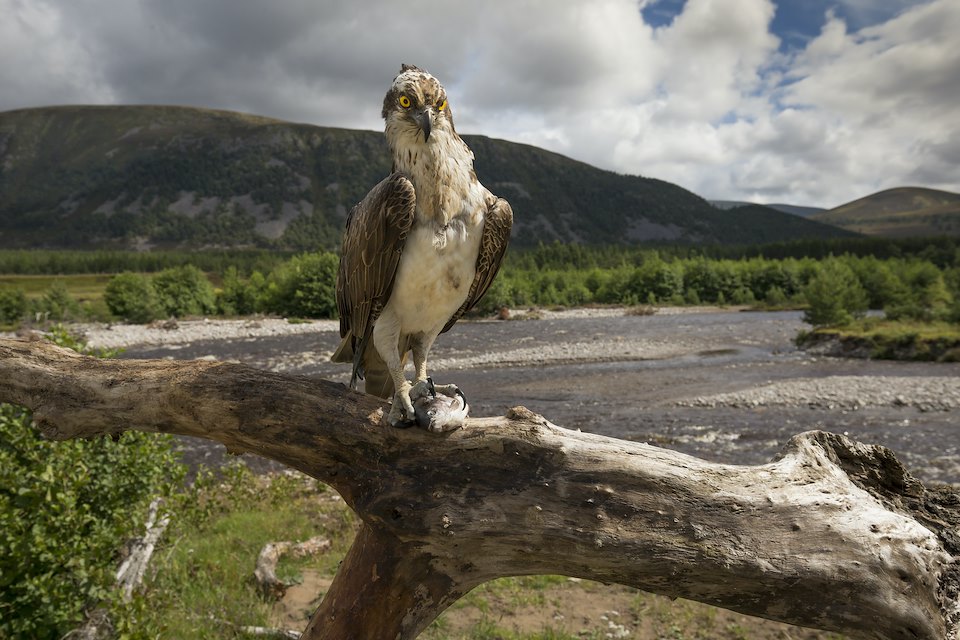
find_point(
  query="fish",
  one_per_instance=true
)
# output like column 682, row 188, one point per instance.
column 441, row 412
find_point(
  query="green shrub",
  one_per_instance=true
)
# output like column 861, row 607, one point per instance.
column 712, row 279
column 953, row 314
column 835, row 296
column 577, row 294
column 884, row 288
column 66, row 509
column 304, row 287
column 775, row 297
column 239, row 297
column 130, row 296
column 743, row 295
column 500, row 294
column 660, row 279
column 929, row 298
column 58, row 304
column 13, row 305
column 184, row 291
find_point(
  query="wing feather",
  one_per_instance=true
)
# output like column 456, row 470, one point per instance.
column 493, row 246
column 373, row 241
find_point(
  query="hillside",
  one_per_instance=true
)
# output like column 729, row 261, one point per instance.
column 898, row 213
column 803, row 212
column 143, row 176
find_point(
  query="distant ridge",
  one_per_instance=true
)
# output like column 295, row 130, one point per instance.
column 899, row 213
column 160, row 176
column 792, row 209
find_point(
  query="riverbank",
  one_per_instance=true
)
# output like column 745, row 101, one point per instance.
column 532, row 339
column 104, row 335
column 886, row 340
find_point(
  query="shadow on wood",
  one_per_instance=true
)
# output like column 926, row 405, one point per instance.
column 833, row 534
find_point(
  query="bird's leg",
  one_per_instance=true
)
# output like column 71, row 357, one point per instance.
column 420, row 348
column 386, row 342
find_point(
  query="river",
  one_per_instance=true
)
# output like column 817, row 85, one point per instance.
column 656, row 379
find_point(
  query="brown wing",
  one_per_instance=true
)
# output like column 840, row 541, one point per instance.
column 372, row 243
column 493, row 246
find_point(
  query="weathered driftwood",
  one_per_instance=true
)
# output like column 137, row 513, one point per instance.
column 269, row 632
column 132, row 569
column 97, row 626
column 265, row 571
column 129, row 576
column 832, row 534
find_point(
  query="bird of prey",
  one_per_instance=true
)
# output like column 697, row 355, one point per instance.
column 419, row 250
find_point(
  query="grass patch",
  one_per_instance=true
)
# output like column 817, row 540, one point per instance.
column 893, row 329
column 86, row 287
column 200, row 584
column 890, row 339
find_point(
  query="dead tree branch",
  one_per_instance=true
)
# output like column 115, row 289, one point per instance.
column 129, row 576
column 833, row 534
column 265, row 572
column 132, row 569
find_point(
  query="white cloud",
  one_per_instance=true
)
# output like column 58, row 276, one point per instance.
column 41, row 62
column 884, row 98
column 706, row 101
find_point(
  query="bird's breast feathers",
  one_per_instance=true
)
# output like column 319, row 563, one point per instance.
column 435, row 273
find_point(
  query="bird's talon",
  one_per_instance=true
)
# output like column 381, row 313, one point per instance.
column 402, row 413
column 422, row 389
column 397, row 418
column 450, row 390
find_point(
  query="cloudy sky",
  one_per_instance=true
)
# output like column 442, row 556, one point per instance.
column 810, row 102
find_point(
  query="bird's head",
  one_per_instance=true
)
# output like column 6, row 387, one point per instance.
column 415, row 106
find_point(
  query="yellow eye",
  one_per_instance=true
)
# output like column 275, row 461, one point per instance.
column 405, row 102
column 442, row 105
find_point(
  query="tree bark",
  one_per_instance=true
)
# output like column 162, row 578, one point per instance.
column 833, row 534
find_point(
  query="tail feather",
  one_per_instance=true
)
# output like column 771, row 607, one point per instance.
column 367, row 365
column 347, row 353
column 344, row 352
column 358, row 365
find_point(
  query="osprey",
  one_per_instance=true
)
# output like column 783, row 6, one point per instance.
column 418, row 251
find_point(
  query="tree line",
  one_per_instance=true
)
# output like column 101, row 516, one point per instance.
column 921, row 285
column 849, row 285
column 944, row 252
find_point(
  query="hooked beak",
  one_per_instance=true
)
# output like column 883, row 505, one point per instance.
column 423, row 121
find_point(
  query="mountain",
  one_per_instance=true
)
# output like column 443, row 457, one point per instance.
column 803, row 212
column 898, row 213
column 144, row 176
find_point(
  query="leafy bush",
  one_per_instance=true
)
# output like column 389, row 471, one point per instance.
column 711, row 280
column 131, row 296
column 13, row 304
column 775, row 297
column 835, row 296
column 239, row 297
column 500, row 294
column 928, row 297
column 65, row 510
column 883, row 286
column 58, row 304
column 184, row 291
column 304, row 287
column 657, row 280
